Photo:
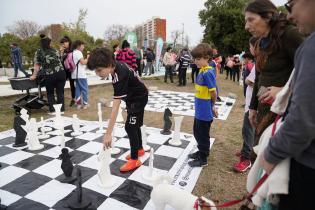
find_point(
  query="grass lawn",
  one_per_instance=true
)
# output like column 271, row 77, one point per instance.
column 217, row 181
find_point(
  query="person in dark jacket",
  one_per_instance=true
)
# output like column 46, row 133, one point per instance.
column 278, row 41
column 16, row 57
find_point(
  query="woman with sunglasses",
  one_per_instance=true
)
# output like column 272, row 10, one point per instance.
column 275, row 49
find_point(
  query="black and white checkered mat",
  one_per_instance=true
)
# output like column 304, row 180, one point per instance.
column 31, row 179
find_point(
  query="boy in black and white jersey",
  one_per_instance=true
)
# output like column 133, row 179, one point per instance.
column 129, row 88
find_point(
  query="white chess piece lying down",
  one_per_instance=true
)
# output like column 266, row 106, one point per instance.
column 163, row 193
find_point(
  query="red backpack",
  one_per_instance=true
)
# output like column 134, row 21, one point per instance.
column 69, row 62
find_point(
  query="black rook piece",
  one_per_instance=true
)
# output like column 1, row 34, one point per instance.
column 167, row 122
column 77, row 201
column 20, row 132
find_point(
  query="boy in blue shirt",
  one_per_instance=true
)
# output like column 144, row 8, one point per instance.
column 205, row 97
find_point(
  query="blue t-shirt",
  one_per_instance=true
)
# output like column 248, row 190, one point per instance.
column 205, row 84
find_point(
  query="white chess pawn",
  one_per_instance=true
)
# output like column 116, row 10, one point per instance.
column 100, row 119
column 105, row 178
column 175, row 141
column 43, row 134
column 31, row 128
column 120, row 117
column 150, row 175
column 144, row 136
column 76, row 126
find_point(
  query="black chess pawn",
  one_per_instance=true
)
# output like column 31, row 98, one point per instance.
column 66, row 166
column 20, row 132
column 76, row 200
column 167, row 122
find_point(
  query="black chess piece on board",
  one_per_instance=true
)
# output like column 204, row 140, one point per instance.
column 66, row 166
column 77, row 201
column 20, row 132
column 167, row 122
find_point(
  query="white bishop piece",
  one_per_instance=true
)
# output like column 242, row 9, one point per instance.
column 150, row 175
column 76, row 126
column 100, row 119
column 144, row 135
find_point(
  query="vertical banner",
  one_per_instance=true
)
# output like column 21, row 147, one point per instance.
column 159, row 47
column 131, row 37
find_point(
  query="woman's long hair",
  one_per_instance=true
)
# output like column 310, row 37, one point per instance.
column 44, row 42
column 277, row 23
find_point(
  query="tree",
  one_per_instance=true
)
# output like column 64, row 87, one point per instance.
column 224, row 25
column 24, row 28
column 115, row 32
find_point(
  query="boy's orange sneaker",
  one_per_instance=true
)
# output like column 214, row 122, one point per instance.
column 141, row 152
column 130, row 165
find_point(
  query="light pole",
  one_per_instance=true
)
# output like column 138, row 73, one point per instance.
column 183, row 35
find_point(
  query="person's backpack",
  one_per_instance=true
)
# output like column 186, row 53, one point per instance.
column 69, row 62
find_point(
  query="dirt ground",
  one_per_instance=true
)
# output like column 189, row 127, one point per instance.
column 217, row 181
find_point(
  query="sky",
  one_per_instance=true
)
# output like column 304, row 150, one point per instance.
column 103, row 13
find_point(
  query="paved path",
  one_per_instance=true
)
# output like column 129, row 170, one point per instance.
column 6, row 89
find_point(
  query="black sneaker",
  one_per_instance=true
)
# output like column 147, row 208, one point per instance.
column 198, row 163
column 194, row 155
column 72, row 103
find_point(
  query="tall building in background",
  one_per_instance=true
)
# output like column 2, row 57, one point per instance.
column 149, row 31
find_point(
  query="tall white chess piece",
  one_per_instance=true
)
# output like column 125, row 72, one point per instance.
column 43, row 134
column 144, row 136
column 149, row 175
column 100, row 119
column 31, row 128
column 175, row 141
column 120, row 117
column 58, row 119
column 105, row 178
column 76, row 126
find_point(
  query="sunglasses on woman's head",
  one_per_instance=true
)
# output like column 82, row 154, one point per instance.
column 288, row 6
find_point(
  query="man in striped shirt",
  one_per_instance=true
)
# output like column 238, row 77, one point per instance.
column 184, row 61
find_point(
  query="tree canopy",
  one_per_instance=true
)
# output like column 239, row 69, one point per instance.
column 224, row 25
column 25, row 34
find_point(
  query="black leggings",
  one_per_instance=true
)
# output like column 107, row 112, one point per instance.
column 168, row 71
column 182, row 76
column 132, row 126
column 56, row 82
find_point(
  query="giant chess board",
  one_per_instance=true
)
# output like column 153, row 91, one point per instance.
column 31, row 179
column 182, row 103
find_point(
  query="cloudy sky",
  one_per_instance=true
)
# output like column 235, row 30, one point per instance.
column 102, row 13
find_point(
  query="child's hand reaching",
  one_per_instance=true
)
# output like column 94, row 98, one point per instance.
column 107, row 141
